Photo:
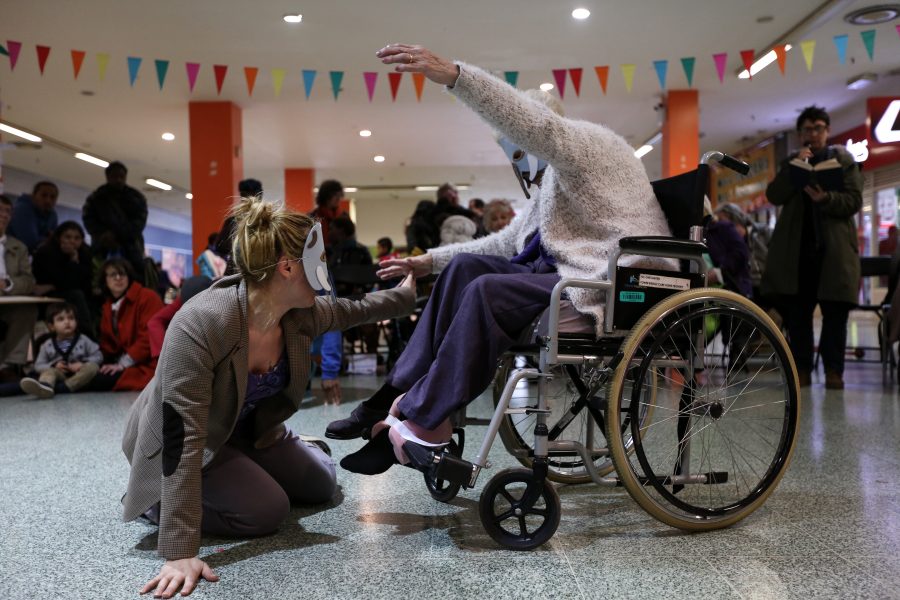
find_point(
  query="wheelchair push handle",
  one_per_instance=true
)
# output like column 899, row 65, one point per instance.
column 726, row 160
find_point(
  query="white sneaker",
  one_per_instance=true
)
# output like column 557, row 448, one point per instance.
column 36, row 388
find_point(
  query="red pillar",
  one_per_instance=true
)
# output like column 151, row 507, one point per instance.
column 681, row 133
column 217, row 165
column 298, row 189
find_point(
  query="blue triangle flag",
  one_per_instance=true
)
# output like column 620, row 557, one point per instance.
column 840, row 42
column 134, row 65
column 309, row 76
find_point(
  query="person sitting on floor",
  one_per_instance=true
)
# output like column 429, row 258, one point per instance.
column 68, row 361
column 159, row 323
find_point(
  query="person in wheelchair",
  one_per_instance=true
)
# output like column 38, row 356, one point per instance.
column 590, row 190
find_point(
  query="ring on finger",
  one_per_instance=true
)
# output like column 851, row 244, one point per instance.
column 410, row 61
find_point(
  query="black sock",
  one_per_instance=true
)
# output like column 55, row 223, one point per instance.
column 375, row 457
column 383, row 398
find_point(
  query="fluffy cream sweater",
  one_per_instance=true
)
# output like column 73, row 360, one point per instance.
column 594, row 192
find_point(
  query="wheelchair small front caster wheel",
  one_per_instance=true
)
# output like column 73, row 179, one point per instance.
column 440, row 489
column 506, row 515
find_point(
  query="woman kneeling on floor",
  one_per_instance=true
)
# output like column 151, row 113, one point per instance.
column 206, row 439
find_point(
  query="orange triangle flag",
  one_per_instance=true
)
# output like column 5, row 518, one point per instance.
column 575, row 76
column 781, row 55
column 77, row 59
column 250, row 75
column 394, row 79
column 419, row 82
column 603, row 76
column 747, row 57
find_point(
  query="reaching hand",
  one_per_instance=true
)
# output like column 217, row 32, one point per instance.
column 332, row 389
column 416, row 59
column 179, row 575
column 418, row 266
column 111, row 368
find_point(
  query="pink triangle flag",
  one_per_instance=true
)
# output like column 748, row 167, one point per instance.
column 394, row 79
column 721, row 58
column 560, row 76
column 575, row 76
column 192, row 70
column 220, row 71
column 42, row 53
column 13, row 48
column 371, row 77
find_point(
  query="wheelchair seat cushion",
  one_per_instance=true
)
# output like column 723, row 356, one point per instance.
column 570, row 321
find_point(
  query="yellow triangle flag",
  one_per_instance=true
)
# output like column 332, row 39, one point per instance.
column 102, row 62
column 809, row 49
column 277, row 80
column 628, row 73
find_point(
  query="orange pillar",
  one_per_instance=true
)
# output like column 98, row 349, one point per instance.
column 681, row 133
column 217, row 165
column 298, row 189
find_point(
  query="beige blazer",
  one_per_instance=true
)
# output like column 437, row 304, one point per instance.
column 190, row 407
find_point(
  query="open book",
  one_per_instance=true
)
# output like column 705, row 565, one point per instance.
column 828, row 174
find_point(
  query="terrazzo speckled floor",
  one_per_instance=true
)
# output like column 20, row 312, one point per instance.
column 831, row 530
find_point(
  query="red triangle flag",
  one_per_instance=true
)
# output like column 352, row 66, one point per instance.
column 419, row 83
column 781, row 55
column 603, row 76
column 43, row 52
column 394, row 79
column 220, row 71
column 747, row 57
column 77, row 59
column 575, row 75
column 560, row 76
column 250, row 75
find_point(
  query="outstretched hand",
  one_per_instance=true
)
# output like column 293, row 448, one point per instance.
column 179, row 576
column 416, row 266
column 416, row 59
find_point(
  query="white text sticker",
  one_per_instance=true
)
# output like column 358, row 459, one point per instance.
column 666, row 283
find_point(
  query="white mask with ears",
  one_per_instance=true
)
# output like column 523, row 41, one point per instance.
column 528, row 168
column 313, row 260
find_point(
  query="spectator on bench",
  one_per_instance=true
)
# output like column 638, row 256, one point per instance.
column 16, row 320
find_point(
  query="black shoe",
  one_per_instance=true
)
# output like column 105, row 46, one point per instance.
column 375, row 457
column 358, row 424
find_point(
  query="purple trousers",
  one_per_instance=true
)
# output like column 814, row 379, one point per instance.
column 478, row 309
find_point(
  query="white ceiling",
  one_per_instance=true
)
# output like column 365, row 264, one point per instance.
column 430, row 141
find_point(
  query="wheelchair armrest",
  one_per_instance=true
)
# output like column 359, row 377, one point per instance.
column 661, row 244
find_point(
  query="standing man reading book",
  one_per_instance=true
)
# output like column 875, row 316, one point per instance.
column 813, row 256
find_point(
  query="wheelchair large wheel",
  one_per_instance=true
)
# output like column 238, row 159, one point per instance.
column 510, row 518
column 721, row 433
column 577, row 399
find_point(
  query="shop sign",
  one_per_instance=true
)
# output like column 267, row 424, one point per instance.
column 883, row 124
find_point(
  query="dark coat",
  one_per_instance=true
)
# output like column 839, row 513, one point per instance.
column 121, row 212
column 839, row 280
column 51, row 267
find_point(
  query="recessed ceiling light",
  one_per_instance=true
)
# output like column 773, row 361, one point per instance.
column 581, row 13
column 873, row 15
column 22, row 134
column 295, row 18
column 158, row 184
column 547, row 86
column 351, row 189
column 91, row 159
column 168, row 136
column 365, row 133
column 189, row 196
column 378, row 158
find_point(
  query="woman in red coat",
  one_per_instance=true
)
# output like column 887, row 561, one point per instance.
column 123, row 329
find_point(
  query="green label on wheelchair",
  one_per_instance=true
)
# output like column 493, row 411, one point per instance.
column 631, row 296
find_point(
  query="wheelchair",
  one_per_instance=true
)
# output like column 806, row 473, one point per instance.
column 697, row 428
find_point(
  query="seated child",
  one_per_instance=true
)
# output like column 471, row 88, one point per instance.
column 68, row 360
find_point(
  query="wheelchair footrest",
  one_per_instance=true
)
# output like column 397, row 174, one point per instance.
column 453, row 469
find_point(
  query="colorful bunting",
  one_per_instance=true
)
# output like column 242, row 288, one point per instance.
column 371, row 78
column 575, row 76
column 419, row 83
column 781, row 56
column 512, row 77
column 809, row 50
column 42, row 53
column 868, row 38
column 747, row 58
column 192, row 70
column 277, row 80
column 661, row 67
column 394, row 79
column 220, row 71
column 134, row 65
column 250, row 74
column 13, row 48
column 560, row 76
column 102, row 63
column 602, row 76
column 687, row 63
column 162, row 67
column 840, row 42
column 77, row 60
column 720, row 59
column 336, row 78
column 309, row 77
column 628, row 73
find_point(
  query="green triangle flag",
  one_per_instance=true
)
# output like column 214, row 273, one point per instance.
column 336, row 78
column 687, row 64
column 868, row 37
column 511, row 77
column 162, row 66
column 3, row 50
